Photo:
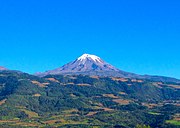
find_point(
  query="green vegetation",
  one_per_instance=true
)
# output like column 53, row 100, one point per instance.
column 83, row 101
column 154, row 113
column 142, row 126
column 173, row 122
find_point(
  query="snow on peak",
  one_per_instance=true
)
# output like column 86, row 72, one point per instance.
column 93, row 57
column 2, row 68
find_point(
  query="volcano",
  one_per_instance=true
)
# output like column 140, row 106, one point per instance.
column 93, row 65
column 88, row 64
column 2, row 68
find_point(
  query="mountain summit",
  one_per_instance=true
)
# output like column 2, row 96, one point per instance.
column 84, row 57
column 86, row 64
column 2, row 68
column 93, row 65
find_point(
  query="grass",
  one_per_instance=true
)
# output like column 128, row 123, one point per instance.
column 174, row 122
column 30, row 113
column 154, row 113
column 122, row 101
column 70, row 111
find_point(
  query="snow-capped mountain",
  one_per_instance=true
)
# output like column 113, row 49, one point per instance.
column 88, row 65
column 2, row 68
column 88, row 62
column 93, row 65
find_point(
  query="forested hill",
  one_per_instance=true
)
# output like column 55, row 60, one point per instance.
column 86, row 101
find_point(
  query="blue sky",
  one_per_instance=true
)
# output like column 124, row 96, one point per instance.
column 134, row 35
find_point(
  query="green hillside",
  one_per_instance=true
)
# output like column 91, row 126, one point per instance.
column 84, row 101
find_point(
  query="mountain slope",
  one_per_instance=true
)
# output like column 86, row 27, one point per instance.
column 88, row 65
column 2, row 68
column 58, row 100
column 93, row 65
column 85, row 63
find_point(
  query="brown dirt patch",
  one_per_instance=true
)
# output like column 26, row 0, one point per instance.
column 135, row 80
column 122, row 101
column 72, row 77
column 95, row 77
column 68, row 84
column 91, row 113
column 122, row 93
column 110, row 96
column 174, row 86
column 120, row 79
column 3, row 101
column 157, row 84
column 72, row 95
column 53, row 79
column 83, row 84
column 40, row 84
column 150, row 105
column 108, row 109
column 37, row 95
